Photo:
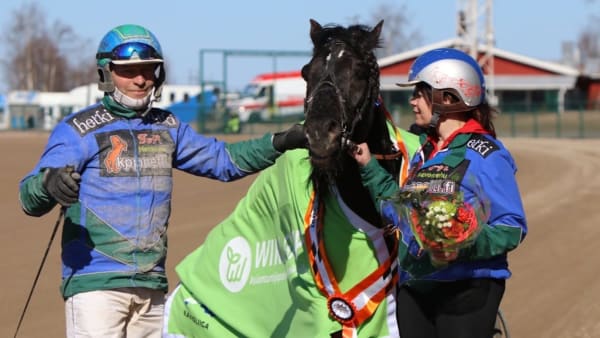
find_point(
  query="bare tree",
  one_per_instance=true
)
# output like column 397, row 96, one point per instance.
column 396, row 34
column 41, row 57
column 588, row 44
column 589, row 39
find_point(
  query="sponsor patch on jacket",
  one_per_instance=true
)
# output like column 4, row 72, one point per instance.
column 439, row 178
column 482, row 145
column 91, row 119
column 162, row 117
column 125, row 152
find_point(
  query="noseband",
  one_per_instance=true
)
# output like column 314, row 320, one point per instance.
column 328, row 79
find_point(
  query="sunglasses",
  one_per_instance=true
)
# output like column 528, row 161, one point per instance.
column 131, row 51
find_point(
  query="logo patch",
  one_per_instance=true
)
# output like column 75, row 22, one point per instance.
column 439, row 178
column 148, row 152
column 163, row 117
column 482, row 145
column 90, row 120
column 235, row 264
column 118, row 146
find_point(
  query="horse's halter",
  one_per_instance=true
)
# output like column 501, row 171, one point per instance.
column 336, row 51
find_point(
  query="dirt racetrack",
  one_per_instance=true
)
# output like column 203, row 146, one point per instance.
column 554, row 291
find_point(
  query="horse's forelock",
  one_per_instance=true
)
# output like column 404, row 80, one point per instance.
column 357, row 37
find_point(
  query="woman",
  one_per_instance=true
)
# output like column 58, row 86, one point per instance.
column 459, row 154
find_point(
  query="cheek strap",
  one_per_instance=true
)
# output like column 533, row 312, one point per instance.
column 439, row 108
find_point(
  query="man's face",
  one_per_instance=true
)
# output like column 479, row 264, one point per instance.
column 134, row 80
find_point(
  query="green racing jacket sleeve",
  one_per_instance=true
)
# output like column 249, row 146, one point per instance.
column 254, row 154
column 35, row 201
column 379, row 182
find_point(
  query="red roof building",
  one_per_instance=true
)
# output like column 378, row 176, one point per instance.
column 514, row 82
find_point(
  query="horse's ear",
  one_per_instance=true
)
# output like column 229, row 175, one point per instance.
column 374, row 41
column 377, row 30
column 315, row 29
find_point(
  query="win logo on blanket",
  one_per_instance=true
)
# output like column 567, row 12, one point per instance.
column 244, row 261
column 235, row 264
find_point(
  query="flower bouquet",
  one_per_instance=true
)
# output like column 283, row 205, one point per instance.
column 442, row 223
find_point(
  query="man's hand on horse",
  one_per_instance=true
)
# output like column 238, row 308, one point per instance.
column 292, row 138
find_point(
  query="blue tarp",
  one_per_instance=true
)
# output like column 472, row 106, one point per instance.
column 187, row 111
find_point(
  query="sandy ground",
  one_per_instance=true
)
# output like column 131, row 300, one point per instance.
column 554, row 291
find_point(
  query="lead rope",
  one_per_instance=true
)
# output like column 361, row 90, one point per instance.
column 37, row 276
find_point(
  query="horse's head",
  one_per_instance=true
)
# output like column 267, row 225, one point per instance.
column 342, row 87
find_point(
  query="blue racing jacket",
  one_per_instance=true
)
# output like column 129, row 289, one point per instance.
column 115, row 236
column 482, row 168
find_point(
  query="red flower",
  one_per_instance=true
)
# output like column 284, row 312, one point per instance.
column 454, row 231
column 463, row 214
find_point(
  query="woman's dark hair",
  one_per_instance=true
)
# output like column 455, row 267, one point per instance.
column 484, row 113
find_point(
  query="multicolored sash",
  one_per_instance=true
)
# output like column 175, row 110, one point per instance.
column 353, row 307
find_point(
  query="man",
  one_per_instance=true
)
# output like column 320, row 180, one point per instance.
column 110, row 167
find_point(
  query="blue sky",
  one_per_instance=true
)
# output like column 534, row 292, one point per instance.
column 534, row 28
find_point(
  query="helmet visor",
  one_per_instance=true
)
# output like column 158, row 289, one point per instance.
column 132, row 52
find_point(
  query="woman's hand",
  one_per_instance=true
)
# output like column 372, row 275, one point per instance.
column 361, row 153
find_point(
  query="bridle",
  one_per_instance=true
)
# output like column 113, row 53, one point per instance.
column 328, row 79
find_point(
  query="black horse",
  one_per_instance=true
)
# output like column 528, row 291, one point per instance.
column 298, row 247
column 343, row 107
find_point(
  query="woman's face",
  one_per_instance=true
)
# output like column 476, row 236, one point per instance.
column 421, row 107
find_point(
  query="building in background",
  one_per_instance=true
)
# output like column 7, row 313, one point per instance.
column 514, row 82
column 589, row 82
column 42, row 110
